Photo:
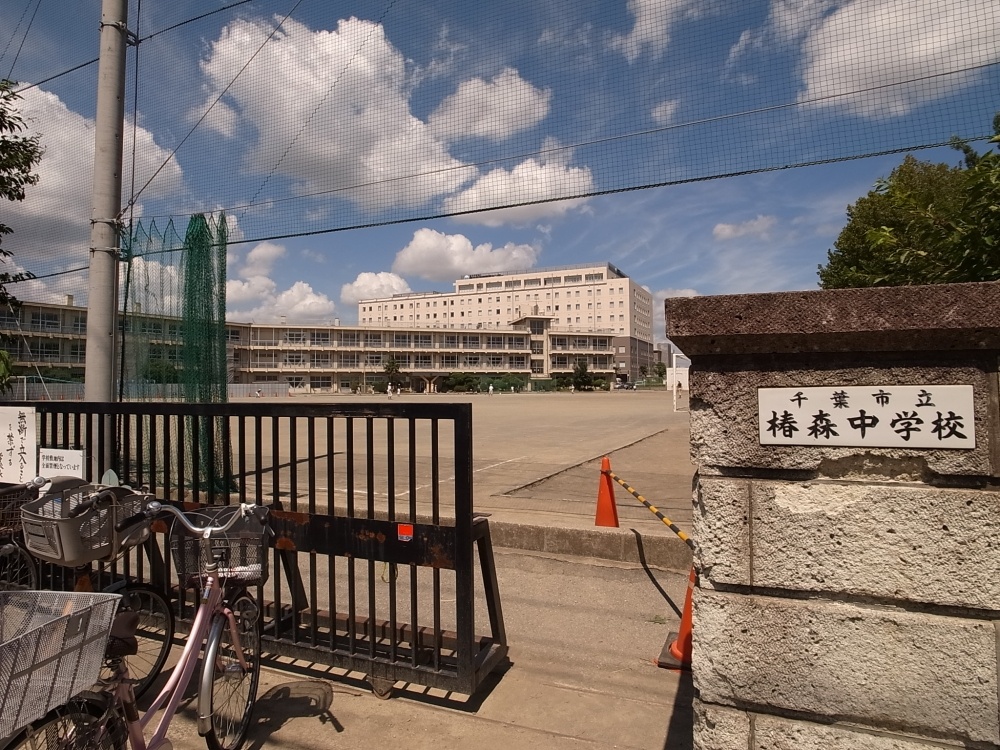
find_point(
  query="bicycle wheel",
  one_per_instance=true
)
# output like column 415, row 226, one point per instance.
column 81, row 724
column 154, row 635
column 17, row 569
column 228, row 690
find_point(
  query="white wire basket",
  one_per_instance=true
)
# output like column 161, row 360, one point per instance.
column 51, row 535
column 242, row 551
column 51, row 648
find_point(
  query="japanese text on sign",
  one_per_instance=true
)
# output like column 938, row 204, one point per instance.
column 52, row 461
column 18, row 451
column 891, row 416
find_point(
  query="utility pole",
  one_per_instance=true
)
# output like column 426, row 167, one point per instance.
column 102, row 305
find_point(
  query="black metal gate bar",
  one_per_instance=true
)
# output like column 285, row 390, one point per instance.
column 173, row 447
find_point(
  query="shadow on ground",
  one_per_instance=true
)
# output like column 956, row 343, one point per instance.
column 292, row 700
column 680, row 729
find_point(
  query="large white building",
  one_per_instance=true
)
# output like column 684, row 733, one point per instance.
column 590, row 298
column 536, row 326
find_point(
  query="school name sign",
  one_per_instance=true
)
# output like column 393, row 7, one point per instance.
column 891, row 416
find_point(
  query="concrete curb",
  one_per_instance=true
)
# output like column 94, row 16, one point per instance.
column 619, row 545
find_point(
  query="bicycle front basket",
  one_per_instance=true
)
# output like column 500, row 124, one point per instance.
column 51, row 647
column 51, row 535
column 241, row 552
column 11, row 500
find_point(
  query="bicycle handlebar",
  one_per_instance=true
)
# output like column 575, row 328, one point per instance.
column 155, row 507
column 92, row 501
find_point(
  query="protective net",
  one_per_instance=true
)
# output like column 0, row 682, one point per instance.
column 175, row 293
column 403, row 111
column 297, row 117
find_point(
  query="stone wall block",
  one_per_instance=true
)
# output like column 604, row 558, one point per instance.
column 902, row 671
column 775, row 733
column 913, row 543
column 719, row 728
column 722, row 530
column 722, row 728
column 724, row 415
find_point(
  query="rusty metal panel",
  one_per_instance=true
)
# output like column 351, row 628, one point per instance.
column 407, row 543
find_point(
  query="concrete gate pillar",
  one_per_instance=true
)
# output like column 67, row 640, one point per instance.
column 848, row 512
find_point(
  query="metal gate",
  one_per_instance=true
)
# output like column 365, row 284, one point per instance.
column 376, row 539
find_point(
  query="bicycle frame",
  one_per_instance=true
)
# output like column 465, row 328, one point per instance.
column 173, row 692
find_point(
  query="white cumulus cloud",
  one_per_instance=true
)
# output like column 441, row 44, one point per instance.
column 659, row 316
column 369, row 285
column 663, row 113
column 868, row 45
column 541, row 178
column 495, row 109
column 52, row 225
column 297, row 304
column 757, row 227
column 445, row 257
column 254, row 296
column 653, row 21
column 336, row 114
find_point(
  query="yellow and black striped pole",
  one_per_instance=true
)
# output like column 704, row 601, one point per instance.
column 670, row 524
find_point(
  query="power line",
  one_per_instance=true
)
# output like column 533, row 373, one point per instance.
column 611, row 139
column 13, row 34
column 23, row 39
column 137, row 41
column 201, row 119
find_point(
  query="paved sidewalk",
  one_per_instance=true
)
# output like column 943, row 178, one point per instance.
column 584, row 635
column 587, row 610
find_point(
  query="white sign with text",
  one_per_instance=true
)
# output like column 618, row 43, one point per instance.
column 18, row 447
column 58, row 462
column 889, row 416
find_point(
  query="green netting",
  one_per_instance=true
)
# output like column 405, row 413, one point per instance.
column 203, row 307
column 174, row 330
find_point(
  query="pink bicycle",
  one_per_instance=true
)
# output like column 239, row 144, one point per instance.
column 223, row 551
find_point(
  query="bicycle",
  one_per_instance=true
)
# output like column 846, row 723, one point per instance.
column 17, row 568
column 51, row 646
column 227, row 620
column 72, row 525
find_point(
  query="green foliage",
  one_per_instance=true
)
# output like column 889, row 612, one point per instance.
column 393, row 372
column 582, row 378
column 660, row 368
column 19, row 154
column 6, row 372
column 925, row 224
column 459, row 382
column 159, row 371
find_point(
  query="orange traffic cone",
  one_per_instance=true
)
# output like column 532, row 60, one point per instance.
column 607, row 511
column 678, row 654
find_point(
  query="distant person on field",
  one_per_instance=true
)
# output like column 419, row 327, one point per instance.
column 260, row 394
column 491, row 389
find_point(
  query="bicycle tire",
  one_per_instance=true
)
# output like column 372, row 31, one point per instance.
column 18, row 571
column 154, row 635
column 227, row 692
column 81, row 724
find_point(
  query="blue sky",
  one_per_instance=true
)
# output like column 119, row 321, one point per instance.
column 507, row 102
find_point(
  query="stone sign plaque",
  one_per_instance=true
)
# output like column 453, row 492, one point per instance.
column 889, row 416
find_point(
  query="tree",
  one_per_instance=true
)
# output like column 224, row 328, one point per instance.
column 18, row 156
column 660, row 368
column 644, row 371
column 925, row 224
column 392, row 371
column 582, row 379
